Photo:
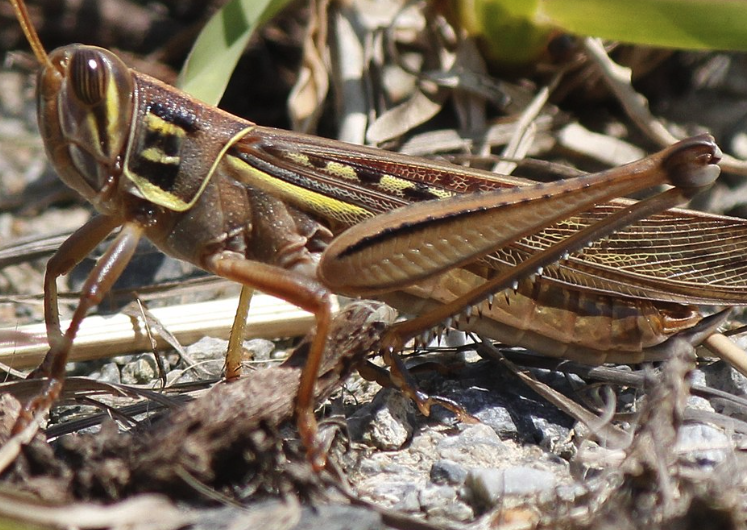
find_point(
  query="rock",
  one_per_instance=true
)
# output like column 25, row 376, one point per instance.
column 447, row 472
column 410, row 499
column 698, row 377
column 555, row 439
column 181, row 376
column 441, row 502
column 208, row 349
column 210, row 353
column 259, row 349
column 140, row 371
column 386, row 423
column 109, row 373
column 703, row 445
column 487, row 486
column 476, row 443
column 722, row 376
column 501, row 400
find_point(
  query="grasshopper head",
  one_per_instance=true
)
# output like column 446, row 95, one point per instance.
column 85, row 108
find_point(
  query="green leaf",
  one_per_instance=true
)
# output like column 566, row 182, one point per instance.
column 509, row 27
column 688, row 24
column 517, row 33
column 214, row 55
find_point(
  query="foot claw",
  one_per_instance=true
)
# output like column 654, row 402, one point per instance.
column 317, row 456
column 308, row 432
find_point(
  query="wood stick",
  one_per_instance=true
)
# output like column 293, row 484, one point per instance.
column 101, row 337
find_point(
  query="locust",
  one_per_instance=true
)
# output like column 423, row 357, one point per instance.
column 303, row 218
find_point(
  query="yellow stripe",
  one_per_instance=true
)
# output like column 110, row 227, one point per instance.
column 162, row 126
column 397, row 186
column 114, row 108
column 440, row 193
column 154, row 154
column 300, row 159
column 342, row 171
column 304, row 198
column 160, row 197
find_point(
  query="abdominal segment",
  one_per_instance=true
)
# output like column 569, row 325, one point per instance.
column 557, row 321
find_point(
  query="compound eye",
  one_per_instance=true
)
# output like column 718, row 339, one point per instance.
column 88, row 76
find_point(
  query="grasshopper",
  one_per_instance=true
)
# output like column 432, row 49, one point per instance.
column 303, row 218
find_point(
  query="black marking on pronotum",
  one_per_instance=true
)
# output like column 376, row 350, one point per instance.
column 181, row 117
column 157, row 157
column 167, row 143
column 162, row 175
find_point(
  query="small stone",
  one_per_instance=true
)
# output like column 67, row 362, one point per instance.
column 409, row 500
column 499, row 419
column 555, row 439
column 109, row 373
column 476, row 443
column 698, row 377
column 395, row 494
column 699, row 403
column 140, row 371
column 387, row 423
column 447, row 472
column 490, row 408
column 569, row 493
column 487, row 486
column 122, row 360
column 442, row 502
column 703, row 445
column 259, row 349
column 722, row 376
column 209, row 353
column 208, row 349
column 181, row 376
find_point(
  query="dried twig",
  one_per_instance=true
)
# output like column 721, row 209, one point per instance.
column 102, row 337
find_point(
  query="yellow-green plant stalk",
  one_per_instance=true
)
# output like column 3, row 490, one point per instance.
column 517, row 31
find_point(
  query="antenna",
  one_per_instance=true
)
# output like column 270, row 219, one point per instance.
column 28, row 29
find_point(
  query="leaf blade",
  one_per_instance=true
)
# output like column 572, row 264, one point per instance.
column 220, row 44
